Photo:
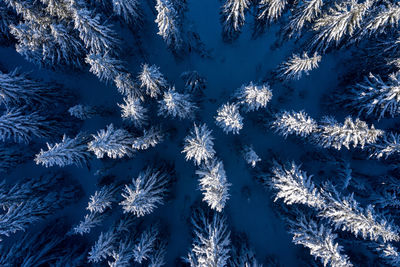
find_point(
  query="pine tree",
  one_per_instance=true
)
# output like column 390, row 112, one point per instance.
column 168, row 24
column 269, row 10
column 90, row 221
column 374, row 97
column 193, row 81
column 82, row 112
column 103, row 247
column 321, row 242
column 176, row 105
column 291, row 122
column 346, row 214
column 104, row 66
column 116, row 143
column 98, row 37
column 69, row 151
column 18, row 88
column 344, row 19
column 152, row 80
column 199, row 145
column 145, row 193
column 294, row 186
column 390, row 254
column 233, row 18
column 296, row 66
column 254, row 97
column 150, row 138
column 20, row 127
column 211, row 243
column 306, row 12
column 357, row 133
column 127, row 86
column 102, row 199
column 129, row 10
column 157, row 258
column 145, row 245
column 229, row 118
column 389, row 146
column 134, row 111
column 214, row 184
column 250, row 156
column 387, row 17
column 123, row 255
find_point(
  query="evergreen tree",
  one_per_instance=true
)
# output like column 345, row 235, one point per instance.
column 82, row 112
column 176, row 105
column 374, row 97
column 116, row 143
column 145, row 245
column 152, row 80
column 129, row 10
column 168, row 24
column 254, row 97
column 229, row 118
column 104, row 66
column 214, row 184
column 250, row 156
column 69, row 151
column 388, row 146
column 296, row 66
column 193, row 81
column 211, row 242
column 90, row 221
column 321, row 242
column 150, row 138
column 102, row 199
column 145, row 193
column 103, row 247
column 233, row 18
column 20, row 127
column 199, row 145
column 134, row 111
column 291, row 122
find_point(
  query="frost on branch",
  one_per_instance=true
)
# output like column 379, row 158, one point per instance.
column 102, row 199
column 303, row 14
column 291, row 122
column 270, row 10
column 20, row 127
column 333, row 134
column 294, row 186
column 346, row 214
column 250, row 156
column 169, row 27
column 254, row 97
column 133, row 110
column 344, row 19
column 145, row 245
column 113, row 143
column 17, row 88
column 374, row 97
column 82, row 112
column 145, row 193
column 296, row 66
column 390, row 254
column 176, row 105
column 152, row 80
column 103, row 247
column 211, row 242
column 320, row 240
column 193, row 81
column 127, row 86
column 389, row 146
column 229, row 118
column 388, row 16
column 233, row 18
column 104, row 66
column 129, row 10
column 199, row 145
column 68, row 152
column 90, row 221
column 214, row 184
column 123, row 255
column 150, row 138
column 97, row 36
